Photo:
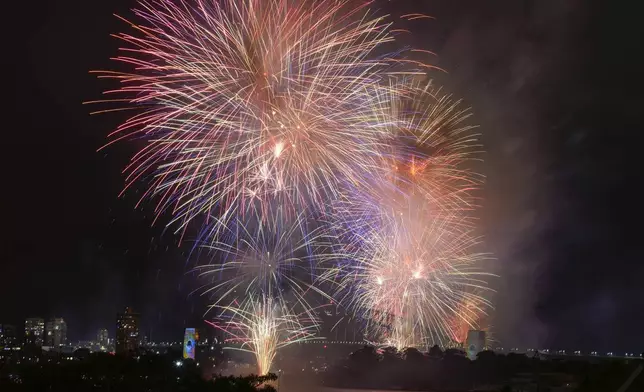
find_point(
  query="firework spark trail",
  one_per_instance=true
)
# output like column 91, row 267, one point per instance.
column 410, row 283
column 425, row 170
column 408, row 234
column 263, row 284
column 262, row 325
column 470, row 314
column 442, row 146
column 427, row 164
column 270, row 258
column 248, row 103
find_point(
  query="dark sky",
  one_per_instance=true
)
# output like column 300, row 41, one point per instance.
column 554, row 84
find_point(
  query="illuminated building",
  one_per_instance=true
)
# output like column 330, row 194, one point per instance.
column 475, row 343
column 34, row 331
column 127, row 331
column 102, row 337
column 190, row 339
column 56, row 332
column 8, row 336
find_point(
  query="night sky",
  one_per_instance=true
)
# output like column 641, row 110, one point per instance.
column 554, row 84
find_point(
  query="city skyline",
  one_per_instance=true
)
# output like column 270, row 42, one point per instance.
column 131, row 341
column 127, row 330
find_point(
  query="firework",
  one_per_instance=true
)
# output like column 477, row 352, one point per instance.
column 272, row 258
column 469, row 314
column 257, row 114
column 245, row 104
column 262, row 325
column 409, row 259
column 408, row 282
column 426, row 167
column 434, row 148
column 263, row 284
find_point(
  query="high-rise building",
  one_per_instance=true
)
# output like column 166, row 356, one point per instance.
column 56, row 332
column 102, row 337
column 34, row 331
column 190, row 338
column 127, row 331
column 475, row 343
column 8, row 336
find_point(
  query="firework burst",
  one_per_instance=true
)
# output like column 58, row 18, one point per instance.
column 409, row 261
column 249, row 103
column 408, row 282
column 262, row 283
column 273, row 259
column 261, row 325
column 427, row 164
column 469, row 314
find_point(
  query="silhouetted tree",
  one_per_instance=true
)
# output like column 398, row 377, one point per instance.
column 390, row 356
column 486, row 356
column 244, row 384
column 452, row 352
column 106, row 373
column 486, row 366
column 414, row 371
column 411, row 354
column 435, row 352
column 365, row 357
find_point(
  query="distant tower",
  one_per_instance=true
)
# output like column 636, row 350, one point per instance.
column 127, row 331
column 102, row 337
column 190, row 339
column 475, row 343
column 34, row 331
column 56, row 332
